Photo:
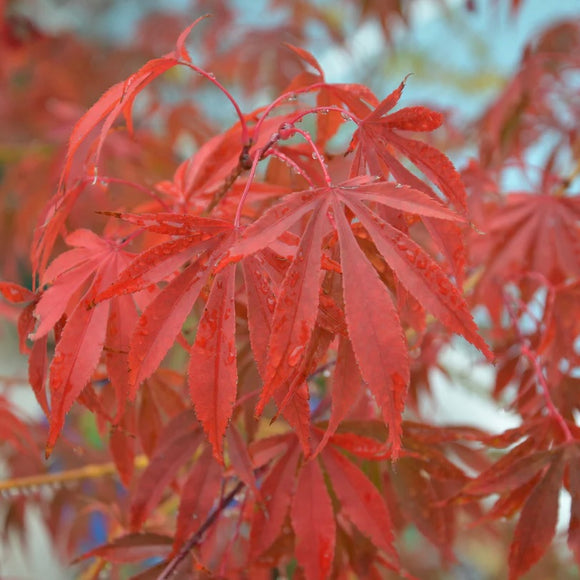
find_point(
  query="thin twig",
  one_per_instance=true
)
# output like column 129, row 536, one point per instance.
column 244, row 163
column 93, row 471
column 171, row 568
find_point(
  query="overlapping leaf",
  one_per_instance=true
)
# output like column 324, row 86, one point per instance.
column 313, row 522
column 530, row 479
column 380, row 128
column 199, row 243
column 74, row 279
column 530, row 233
column 315, row 519
column 376, row 335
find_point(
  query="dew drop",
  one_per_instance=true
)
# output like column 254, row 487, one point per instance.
column 231, row 357
column 294, row 356
column 293, row 279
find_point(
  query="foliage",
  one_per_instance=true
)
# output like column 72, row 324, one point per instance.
column 253, row 326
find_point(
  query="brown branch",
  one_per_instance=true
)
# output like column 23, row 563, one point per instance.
column 244, row 163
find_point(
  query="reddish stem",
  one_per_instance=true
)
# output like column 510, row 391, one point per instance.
column 316, row 153
column 281, row 100
column 288, row 161
column 142, row 188
column 211, row 78
column 344, row 112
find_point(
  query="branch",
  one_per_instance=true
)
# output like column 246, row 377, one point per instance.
column 171, row 568
column 93, row 471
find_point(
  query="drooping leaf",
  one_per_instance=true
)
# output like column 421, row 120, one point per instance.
column 345, row 389
column 313, row 523
column 122, row 445
column 360, row 501
column 296, row 310
column 212, row 372
column 199, row 493
column 177, row 444
column 76, row 357
column 537, row 523
column 420, row 500
column 376, row 335
column 277, row 490
column 241, row 460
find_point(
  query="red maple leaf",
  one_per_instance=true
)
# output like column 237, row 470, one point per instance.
column 372, row 332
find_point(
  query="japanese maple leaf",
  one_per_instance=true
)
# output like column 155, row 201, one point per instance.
column 375, row 333
column 88, row 137
column 196, row 245
column 299, row 486
column 377, row 144
column 378, row 137
column 530, row 479
column 529, row 233
column 75, row 278
column 562, row 324
column 119, row 99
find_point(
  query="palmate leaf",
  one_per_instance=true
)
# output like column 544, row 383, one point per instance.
column 380, row 128
column 375, row 144
column 530, row 478
column 529, row 233
column 313, row 522
column 315, row 518
column 373, row 324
